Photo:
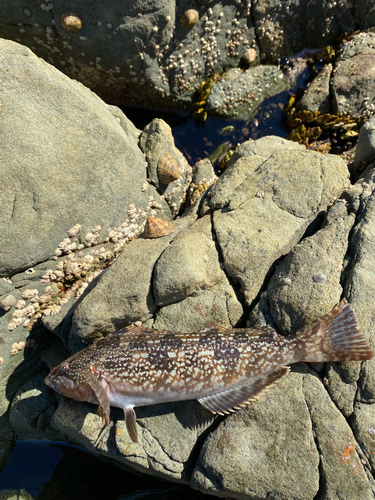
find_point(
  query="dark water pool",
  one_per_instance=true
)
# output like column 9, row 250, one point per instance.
column 59, row 472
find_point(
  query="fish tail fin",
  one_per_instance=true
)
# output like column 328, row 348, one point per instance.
column 334, row 337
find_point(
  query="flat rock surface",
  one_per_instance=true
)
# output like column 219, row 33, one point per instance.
column 235, row 459
column 283, row 196
column 62, row 165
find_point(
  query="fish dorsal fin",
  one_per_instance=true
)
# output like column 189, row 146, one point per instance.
column 131, row 423
column 234, row 399
column 101, row 396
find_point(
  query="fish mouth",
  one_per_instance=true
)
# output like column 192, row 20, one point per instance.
column 52, row 384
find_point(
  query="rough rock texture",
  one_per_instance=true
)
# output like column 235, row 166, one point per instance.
column 342, row 471
column 138, row 53
column 365, row 152
column 288, row 428
column 238, row 93
column 124, row 294
column 264, row 147
column 258, row 237
column 353, row 87
column 270, row 197
column 317, row 96
column 234, row 459
column 155, row 140
column 61, row 164
column 306, row 284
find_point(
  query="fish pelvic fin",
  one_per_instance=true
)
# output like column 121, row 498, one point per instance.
column 228, row 401
column 333, row 337
column 131, row 423
column 104, row 407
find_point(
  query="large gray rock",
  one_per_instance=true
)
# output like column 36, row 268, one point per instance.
column 342, row 471
column 260, row 452
column 317, row 96
column 271, row 209
column 306, row 284
column 66, row 160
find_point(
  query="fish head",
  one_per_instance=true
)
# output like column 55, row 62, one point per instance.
column 68, row 379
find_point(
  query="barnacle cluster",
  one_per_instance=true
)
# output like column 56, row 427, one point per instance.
column 309, row 126
column 78, row 263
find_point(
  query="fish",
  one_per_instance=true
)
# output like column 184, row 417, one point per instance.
column 223, row 368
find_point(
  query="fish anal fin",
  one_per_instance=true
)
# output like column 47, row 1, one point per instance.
column 231, row 399
column 101, row 396
column 131, row 423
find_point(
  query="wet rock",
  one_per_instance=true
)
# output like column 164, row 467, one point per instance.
column 353, row 88
column 317, row 96
column 6, row 439
column 259, row 452
column 91, row 166
column 279, row 214
column 238, row 93
column 342, row 473
column 136, row 54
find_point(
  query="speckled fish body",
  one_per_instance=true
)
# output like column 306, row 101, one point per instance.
column 223, row 368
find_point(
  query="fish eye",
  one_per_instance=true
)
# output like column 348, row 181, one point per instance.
column 64, row 367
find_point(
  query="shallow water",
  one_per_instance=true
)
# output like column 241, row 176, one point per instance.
column 55, row 471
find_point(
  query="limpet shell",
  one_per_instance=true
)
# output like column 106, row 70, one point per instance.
column 157, row 228
column 168, row 170
column 249, row 56
column 189, row 18
column 71, row 22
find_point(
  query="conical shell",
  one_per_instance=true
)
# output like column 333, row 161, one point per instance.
column 157, row 228
column 168, row 170
column 189, row 18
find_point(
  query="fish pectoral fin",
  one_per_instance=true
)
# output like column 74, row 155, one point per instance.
column 101, row 396
column 131, row 423
column 232, row 399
